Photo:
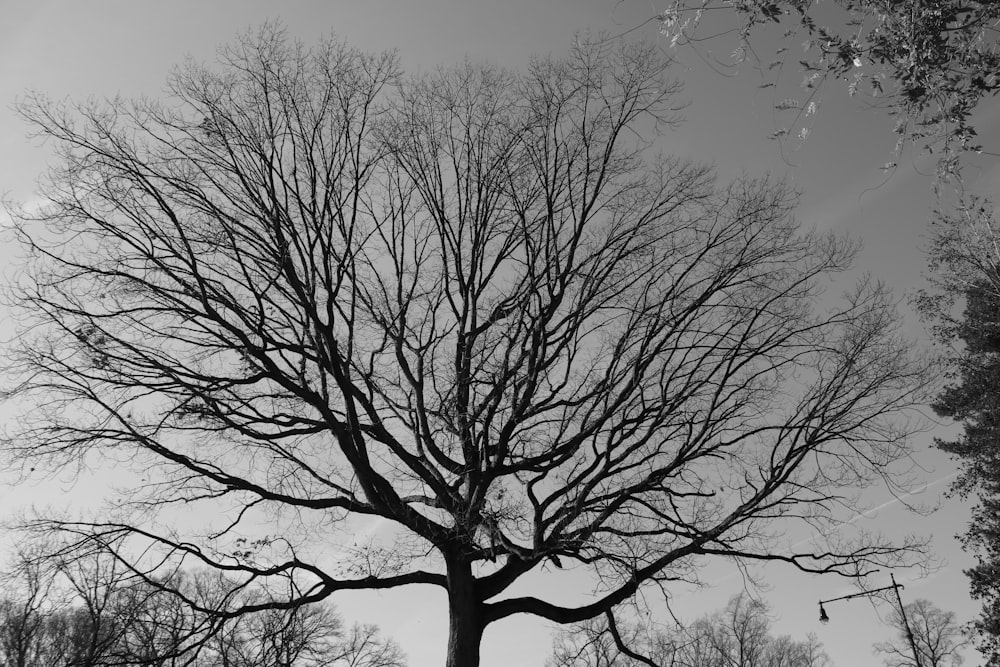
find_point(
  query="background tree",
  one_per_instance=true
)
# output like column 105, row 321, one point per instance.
column 95, row 609
column 302, row 636
column 938, row 638
column 88, row 613
column 593, row 644
column 157, row 626
column 964, row 309
column 305, row 293
column 738, row 636
column 26, row 633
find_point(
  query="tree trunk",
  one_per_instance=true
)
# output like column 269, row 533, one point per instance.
column 465, row 617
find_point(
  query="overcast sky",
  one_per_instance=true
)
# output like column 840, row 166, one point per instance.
column 101, row 48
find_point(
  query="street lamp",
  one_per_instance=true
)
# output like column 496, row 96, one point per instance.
column 825, row 618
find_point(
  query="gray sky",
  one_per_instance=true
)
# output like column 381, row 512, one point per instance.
column 105, row 48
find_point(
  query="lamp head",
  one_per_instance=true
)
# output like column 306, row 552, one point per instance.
column 823, row 618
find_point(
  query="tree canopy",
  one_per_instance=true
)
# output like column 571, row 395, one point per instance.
column 931, row 64
column 963, row 306
column 306, row 295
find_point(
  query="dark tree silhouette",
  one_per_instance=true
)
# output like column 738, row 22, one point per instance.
column 964, row 309
column 474, row 305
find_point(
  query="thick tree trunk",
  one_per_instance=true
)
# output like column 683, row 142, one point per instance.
column 465, row 617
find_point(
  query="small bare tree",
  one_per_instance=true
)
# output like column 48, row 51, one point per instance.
column 938, row 638
column 473, row 305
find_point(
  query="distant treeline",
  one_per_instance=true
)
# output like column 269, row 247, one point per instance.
column 95, row 612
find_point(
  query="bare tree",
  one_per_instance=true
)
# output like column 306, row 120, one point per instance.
column 939, row 639
column 86, row 613
column 156, row 626
column 302, row 636
column 473, row 308
column 25, row 619
column 738, row 636
column 593, row 644
column 93, row 616
column 362, row 646
column 787, row 652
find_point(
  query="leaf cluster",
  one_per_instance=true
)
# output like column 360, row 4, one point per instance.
column 931, row 64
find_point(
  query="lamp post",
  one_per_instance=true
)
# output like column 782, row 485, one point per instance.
column 824, row 618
